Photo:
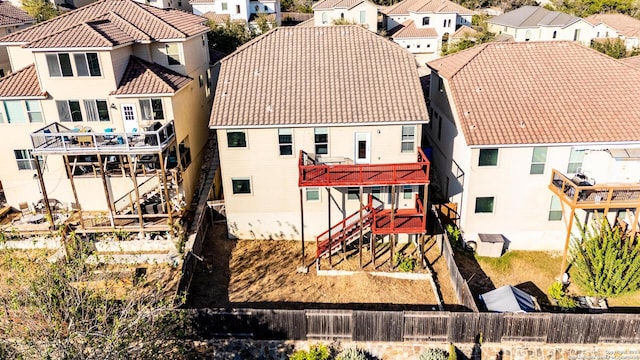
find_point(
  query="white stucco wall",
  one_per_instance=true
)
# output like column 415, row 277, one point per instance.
column 353, row 15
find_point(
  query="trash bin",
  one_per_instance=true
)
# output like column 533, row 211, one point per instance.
column 490, row 245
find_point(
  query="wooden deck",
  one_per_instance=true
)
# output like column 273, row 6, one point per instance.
column 598, row 196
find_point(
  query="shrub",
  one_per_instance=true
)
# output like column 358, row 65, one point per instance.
column 405, row 264
column 318, row 352
column 558, row 293
column 434, row 354
column 353, row 354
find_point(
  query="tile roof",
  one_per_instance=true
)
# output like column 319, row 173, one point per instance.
column 300, row 76
column 94, row 34
column 307, row 23
column 625, row 25
column 11, row 15
column 22, row 83
column 140, row 21
column 426, row 6
column 464, row 31
column 533, row 16
column 333, row 4
column 632, row 61
column 541, row 93
column 142, row 77
column 408, row 29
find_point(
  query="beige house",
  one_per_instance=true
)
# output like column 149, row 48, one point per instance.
column 12, row 19
column 304, row 147
column 221, row 11
column 361, row 12
column 521, row 151
column 620, row 26
column 112, row 99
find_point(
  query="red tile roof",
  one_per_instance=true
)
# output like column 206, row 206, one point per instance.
column 94, row 34
column 464, row 31
column 625, row 25
column 318, row 75
column 408, row 29
column 149, row 23
column 332, row 4
column 11, row 15
column 20, row 84
column 541, row 93
column 142, row 77
column 426, row 6
column 632, row 61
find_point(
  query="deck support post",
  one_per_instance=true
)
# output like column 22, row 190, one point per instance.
column 45, row 197
column 73, row 189
column 373, row 240
column 329, row 224
column 361, row 233
column 303, row 267
column 135, row 187
column 166, row 189
column 563, row 267
column 635, row 222
column 106, row 190
column 392, row 235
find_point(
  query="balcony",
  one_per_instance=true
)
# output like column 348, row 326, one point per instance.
column 56, row 139
column 314, row 173
column 405, row 221
column 580, row 194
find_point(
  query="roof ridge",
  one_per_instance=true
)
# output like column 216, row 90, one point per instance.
column 478, row 52
column 15, row 73
column 47, row 36
column 260, row 38
column 150, row 13
column 126, row 23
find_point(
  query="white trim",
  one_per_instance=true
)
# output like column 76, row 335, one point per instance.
column 40, row 97
column 577, row 146
column 316, row 125
column 126, row 96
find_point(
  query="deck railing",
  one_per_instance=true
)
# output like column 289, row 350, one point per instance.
column 57, row 139
column 580, row 195
column 402, row 220
column 341, row 231
column 314, row 173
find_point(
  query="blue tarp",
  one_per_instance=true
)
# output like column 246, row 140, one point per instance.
column 508, row 299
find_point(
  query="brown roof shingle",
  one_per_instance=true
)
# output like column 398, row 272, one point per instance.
column 300, row 76
column 150, row 22
column 20, row 84
column 408, row 29
column 464, row 31
column 94, row 34
column 624, row 24
column 142, row 77
column 11, row 15
column 332, row 4
column 632, row 61
column 541, row 93
column 426, row 6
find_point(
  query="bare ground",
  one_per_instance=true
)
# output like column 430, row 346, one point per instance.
column 254, row 273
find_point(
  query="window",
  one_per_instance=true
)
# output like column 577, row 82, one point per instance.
column 407, row 191
column 575, row 161
column 555, row 210
column 25, row 160
column 353, row 193
column 484, row 205
column 208, row 82
column 285, row 139
column 538, row 159
column 34, row 111
column 408, row 138
column 325, row 18
column 555, row 33
column 440, row 85
column 224, row 6
column 241, row 186
column 439, row 127
column 59, row 65
column 69, row 110
column 200, row 80
column 237, row 9
column 185, row 153
column 363, row 17
column 15, row 113
column 266, row 8
column 313, row 194
column 321, row 138
column 204, row 39
column 576, row 35
column 342, row 16
column 425, row 20
column 151, row 109
column 257, row 8
column 488, row 157
column 236, row 138
column 173, row 53
column 87, row 64
column 96, row 110
column 527, row 35
column 376, row 192
column 1, row 73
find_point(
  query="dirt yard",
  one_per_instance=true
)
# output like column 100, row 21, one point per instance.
column 250, row 273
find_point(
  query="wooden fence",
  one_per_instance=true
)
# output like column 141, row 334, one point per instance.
column 456, row 327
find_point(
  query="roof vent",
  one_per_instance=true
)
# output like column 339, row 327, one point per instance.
column 467, row 113
column 478, row 89
column 269, row 108
column 472, row 127
column 256, row 73
column 522, row 124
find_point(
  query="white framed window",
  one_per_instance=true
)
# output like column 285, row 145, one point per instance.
column 312, row 194
column 59, row 65
column 408, row 138
column 96, row 110
column 25, row 160
column 321, row 139
column 87, row 64
column 237, row 138
column 325, row 18
column 363, row 16
column 15, row 112
column 488, row 157
column 425, row 21
column 241, row 185
column 576, row 158
column 224, row 6
column 484, row 204
column 173, row 53
column 34, row 111
column 237, row 9
column 555, row 209
column 208, row 88
column 376, row 192
column 285, row 141
column 538, row 160
column 407, row 192
column 69, row 110
column 151, row 109
column 353, row 193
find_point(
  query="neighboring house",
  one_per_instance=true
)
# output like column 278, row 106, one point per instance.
column 617, row 26
column 303, row 134
column 362, row 12
column 66, row 5
column 464, row 32
column 12, row 19
column 534, row 23
column 421, row 26
column 113, row 89
column 503, row 129
column 237, row 10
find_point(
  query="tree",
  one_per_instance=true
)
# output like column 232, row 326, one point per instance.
column 606, row 261
column 69, row 309
column 229, row 36
column 616, row 48
column 41, row 10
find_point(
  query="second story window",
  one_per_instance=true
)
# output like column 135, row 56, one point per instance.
column 363, row 17
column 15, row 114
column 408, row 138
column 69, row 110
column 325, row 18
column 321, row 138
column 538, row 159
column 173, row 53
column 34, row 111
column 151, row 109
column 237, row 9
column 96, row 110
column 488, row 157
column 575, row 161
column 425, row 21
column 236, row 138
column 285, row 140
column 224, row 6
column 87, row 64
column 59, row 65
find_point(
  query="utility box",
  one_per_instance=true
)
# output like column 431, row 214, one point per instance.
column 490, row 245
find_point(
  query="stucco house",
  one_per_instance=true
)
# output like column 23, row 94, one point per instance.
column 535, row 23
column 107, row 110
column 305, row 147
column 616, row 26
column 421, row 26
column 527, row 135
column 219, row 11
column 12, row 19
column 362, row 12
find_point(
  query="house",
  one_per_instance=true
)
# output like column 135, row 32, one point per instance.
column 617, row 26
column 12, row 19
column 363, row 12
column 311, row 143
column 535, row 23
column 520, row 133
column 106, row 111
column 247, row 11
column 421, row 26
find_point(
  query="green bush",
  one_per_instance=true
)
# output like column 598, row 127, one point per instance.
column 318, row 352
column 434, row 354
column 558, row 293
column 352, row 354
column 405, row 264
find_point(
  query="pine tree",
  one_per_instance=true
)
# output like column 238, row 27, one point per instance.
column 606, row 261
